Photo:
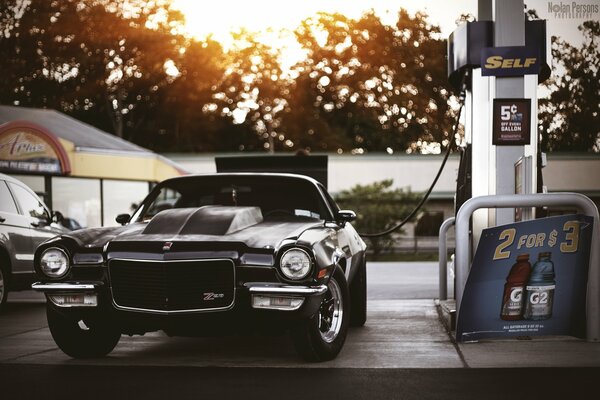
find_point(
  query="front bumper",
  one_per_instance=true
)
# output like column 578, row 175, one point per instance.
column 282, row 297
column 262, row 296
column 282, row 289
column 66, row 287
column 70, row 294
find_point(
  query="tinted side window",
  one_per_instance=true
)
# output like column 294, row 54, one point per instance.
column 7, row 204
column 30, row 205
column 166, row 199
column 332, row 204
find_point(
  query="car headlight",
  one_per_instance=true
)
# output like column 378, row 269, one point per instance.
column 54, row 262
column 295, row 264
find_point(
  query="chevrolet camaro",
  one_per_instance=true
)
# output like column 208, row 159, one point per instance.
column 208, row 255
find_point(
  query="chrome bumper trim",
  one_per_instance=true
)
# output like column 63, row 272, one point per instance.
column 64, row 286
column 269, row 288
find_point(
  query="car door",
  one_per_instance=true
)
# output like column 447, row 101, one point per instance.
column 14, row 232
column 37, row 220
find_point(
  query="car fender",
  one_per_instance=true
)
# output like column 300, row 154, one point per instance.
column 333, row 244
column 7, row 252
column 5, row 255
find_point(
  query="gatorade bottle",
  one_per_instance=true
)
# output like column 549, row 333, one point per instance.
column 540, row 289
column 512, row 301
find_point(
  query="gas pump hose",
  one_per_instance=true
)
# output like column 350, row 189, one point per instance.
column 428, row 193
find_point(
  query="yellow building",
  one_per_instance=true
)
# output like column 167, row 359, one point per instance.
column 85, row 173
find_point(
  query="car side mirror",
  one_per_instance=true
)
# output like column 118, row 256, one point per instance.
column 123, row 218
column 57, row 217
column 344, row 216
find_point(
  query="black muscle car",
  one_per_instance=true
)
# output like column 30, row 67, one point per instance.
column 206, row 255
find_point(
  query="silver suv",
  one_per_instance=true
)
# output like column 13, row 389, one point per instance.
column 25, row 222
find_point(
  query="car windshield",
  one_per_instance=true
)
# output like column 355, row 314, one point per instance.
column 277, row 196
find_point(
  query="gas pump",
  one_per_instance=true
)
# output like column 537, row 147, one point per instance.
column 499, row 60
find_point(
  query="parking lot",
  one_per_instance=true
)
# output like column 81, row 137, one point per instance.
column 402, row 317
column 404, row 330
column 403, row 352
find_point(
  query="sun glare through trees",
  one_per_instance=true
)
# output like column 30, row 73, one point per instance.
column 191, row 76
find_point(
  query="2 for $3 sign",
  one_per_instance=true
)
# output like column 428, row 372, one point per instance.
column 568, row 244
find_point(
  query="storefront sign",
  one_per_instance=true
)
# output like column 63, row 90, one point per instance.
column 512, row 118
column 28, row 148
column 527, row 279
column 509, row 61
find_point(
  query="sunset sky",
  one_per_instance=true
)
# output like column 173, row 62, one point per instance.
column 219, row 18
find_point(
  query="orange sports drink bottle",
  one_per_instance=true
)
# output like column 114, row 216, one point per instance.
column 513, row 299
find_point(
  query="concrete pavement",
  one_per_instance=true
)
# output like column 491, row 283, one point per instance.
column 401, row 332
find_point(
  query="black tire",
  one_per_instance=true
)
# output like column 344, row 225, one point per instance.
column 4, row 275
column 321, row 337
column 73, row 340
column 358, row 296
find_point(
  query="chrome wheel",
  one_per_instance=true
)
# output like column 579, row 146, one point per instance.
column 331, row 312
column 322, row 336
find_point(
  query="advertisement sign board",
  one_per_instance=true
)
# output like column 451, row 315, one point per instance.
column 26, row 148
column 527, row 279
column 510, row 61
column 511, row 122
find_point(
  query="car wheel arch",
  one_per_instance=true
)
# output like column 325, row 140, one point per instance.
column 342, row 263
column 5, row 270
column 5, row 261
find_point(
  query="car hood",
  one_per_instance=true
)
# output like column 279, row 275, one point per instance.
column 211, row 224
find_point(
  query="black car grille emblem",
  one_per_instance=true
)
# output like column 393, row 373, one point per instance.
column 167, row 246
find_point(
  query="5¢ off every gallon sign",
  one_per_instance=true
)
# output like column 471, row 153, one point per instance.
column 511, row 122
column 528, row 278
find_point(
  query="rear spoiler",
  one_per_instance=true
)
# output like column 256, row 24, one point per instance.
column 312, row 166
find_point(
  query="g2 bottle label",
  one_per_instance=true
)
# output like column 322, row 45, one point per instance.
column 539, row 302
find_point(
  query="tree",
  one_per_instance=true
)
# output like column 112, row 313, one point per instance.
column 106, row 62
column 124, row 67
column 570, row 116
column 367, row 86
column 378, row 207
column 251, row 92
column 186, row 117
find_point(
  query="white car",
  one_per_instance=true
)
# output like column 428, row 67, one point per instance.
column 25, row 222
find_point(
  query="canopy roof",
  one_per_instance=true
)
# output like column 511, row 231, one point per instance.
column 35, row 140
column 79, row 133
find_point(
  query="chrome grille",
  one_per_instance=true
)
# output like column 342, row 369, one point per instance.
column 172, row 286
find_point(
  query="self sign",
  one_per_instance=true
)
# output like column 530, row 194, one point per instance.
column 509, row 61
column 493, row 62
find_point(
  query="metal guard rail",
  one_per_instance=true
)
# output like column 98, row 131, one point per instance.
column 443, row 257
column 583, row 203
